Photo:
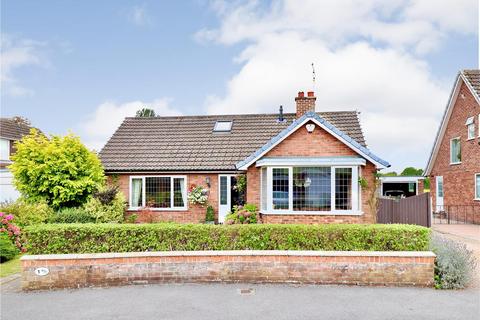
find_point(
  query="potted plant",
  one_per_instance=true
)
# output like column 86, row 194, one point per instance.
column 210, row 216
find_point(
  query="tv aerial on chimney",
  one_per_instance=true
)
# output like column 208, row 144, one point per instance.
column 313, row 77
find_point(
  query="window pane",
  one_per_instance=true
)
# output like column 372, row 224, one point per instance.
column 4, row 149
column 178, row 192
column 157, row 192
column 311, row 189
column 471, row 131
column 280, row 188
column 455, row 153
column 264, row 189
column 223, row 126
column 223, row 190
column 343, row 188
column 137, row 195
column 477, row 178
column 440, row 187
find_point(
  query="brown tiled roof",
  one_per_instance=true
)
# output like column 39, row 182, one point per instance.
column 473, row 77
column 188, row 143
column 13, row 130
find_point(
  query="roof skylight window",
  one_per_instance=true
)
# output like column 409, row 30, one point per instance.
column 223, row 126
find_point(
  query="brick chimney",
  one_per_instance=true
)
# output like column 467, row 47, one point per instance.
column 305, row 104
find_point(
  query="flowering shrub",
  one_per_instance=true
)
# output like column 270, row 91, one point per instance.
column 11, row 230
column 27, row 213
column 197, row 195
column 246, row 214
column 455, row 264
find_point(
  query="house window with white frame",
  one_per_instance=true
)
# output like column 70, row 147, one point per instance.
column 4, row 149
column 158, row 192
column 477, row 186
column 455, row 151
column 470, row 123
column 311, row 189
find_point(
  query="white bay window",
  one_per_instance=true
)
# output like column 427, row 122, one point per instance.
column 158, row 192
column 310, row 190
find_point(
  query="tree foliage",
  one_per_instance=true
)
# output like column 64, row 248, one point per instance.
column 411, row 171
column 60, row 170
column 145, row 113
column 388, row 174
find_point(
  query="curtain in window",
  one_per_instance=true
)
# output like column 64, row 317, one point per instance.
column 455, row 151
column 136, row 193
column 179, row 192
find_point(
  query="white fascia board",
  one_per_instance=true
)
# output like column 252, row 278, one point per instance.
column 400, row 179
column 318, row 161
column 443, row 125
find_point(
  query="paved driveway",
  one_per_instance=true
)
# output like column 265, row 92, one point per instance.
column 225, row 301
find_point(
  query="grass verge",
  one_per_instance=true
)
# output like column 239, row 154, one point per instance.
column 10, row 267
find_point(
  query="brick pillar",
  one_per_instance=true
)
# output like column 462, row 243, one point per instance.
column 305, row 104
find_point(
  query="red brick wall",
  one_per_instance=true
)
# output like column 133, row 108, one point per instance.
column 316, row 144
column 194, row 214
column 305, row 104
column 315, row 267
column 458, row 180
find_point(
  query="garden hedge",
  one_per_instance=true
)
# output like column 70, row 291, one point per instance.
column 95, row 238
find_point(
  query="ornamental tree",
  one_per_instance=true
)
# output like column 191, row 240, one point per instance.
column 59, row 170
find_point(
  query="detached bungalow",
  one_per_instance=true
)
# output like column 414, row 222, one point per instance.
column 303, row 167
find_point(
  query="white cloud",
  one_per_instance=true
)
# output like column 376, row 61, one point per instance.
column 138, row 15
column 107, row 117
column 369, row 56
column 404, row 24
column 16, row 53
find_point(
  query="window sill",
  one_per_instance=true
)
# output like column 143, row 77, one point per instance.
column 317, row 213
column 472, row 138
column 455, row 163
column 157, row 209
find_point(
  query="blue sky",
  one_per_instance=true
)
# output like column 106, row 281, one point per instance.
column 84, row 65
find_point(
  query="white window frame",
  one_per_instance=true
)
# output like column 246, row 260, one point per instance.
column 460, row 144
column 356, row 194
column 469, row 124
column 143, row 178
column 8, row 150
column 475, row 197
column 219, row 123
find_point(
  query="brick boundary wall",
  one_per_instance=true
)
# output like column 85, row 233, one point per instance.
column 309, row 267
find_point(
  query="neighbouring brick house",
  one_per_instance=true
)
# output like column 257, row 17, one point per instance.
column 11, row 130
column 302, row 167
column 454, row 163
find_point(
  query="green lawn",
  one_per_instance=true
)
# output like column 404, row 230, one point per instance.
column 10, row 267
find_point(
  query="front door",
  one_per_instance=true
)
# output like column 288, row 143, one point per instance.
column 439, row 193
column 224, row 196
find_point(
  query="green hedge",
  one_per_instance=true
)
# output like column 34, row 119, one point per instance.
column 92, row 238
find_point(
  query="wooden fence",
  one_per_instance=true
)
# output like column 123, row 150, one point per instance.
column 411, row 210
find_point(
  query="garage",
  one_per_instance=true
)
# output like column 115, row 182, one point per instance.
column 401, row 186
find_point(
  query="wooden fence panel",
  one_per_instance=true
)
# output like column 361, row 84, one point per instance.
column 411, row 210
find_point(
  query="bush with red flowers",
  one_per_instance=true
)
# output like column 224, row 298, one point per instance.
column 11, row 230
column 246, row 214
